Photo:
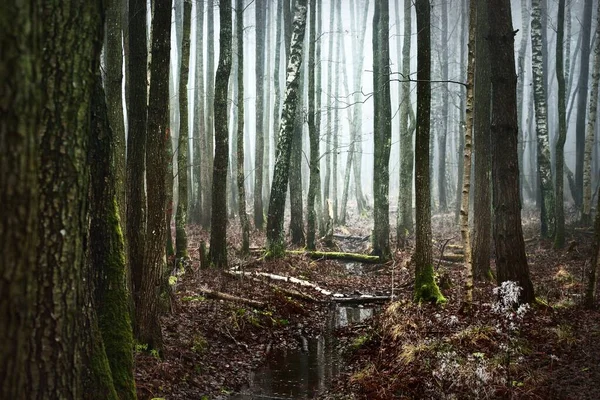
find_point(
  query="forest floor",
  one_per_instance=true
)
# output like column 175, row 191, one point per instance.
column 551, row 350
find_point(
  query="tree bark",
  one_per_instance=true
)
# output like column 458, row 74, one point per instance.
column 443, row 206
column 425, row 287
column 199, row 117
column 21, row 104
column 511, row 260
column 382, row 134
column 148, row 326
column 259, row 148
column 136, row 143
column 404, row 225
column 586, row 215
column 275, row 240
column 313, row 133
column 559, row 237
column 582, row 87
column 208, row 155
column 107, row 250
column 521, row 104
column 482, row 225
column 218, row 232
column 541, row 119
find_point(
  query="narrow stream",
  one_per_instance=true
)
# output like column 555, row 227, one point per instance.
column 297, row 374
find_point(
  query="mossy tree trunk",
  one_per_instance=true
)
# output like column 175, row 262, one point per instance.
column 113, row 83
column 259, row 148
column 241, row 177
column 147, row 315
column 107, row 251
column 541, row 120
column 275, row 239
column 136, row 143
column 511, row 261
column 482, row 201
column 313, row 133
column 559, row 236
column 382, row 134
column 183, row 139
column 404, row 223
column 586, row 215
column 425, row 287
column 218, row 232
column 21, row 104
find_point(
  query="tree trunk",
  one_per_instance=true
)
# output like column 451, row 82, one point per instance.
column 267, row 102
column 208, row 155
column 382, row 134
column 586, row 215
column 521, row 104
column 582, row 87
column 541, row 120
column 482, row 225
column 404, row 224
column 559, row 237
column 136, row 144
column 183, row 137
column 218, row 232
column 464, row 23
column 313, row 133
column 21, row 104
column 259, row 149
column 113, row 82
column 295, row 178
column 465, row 230
column 444, row 117
column 199, row 117
column 107, row 251
column 147, row 318
column 239, row 13
column 425, row 287
column 330, row 88
column 590, row 294
column 511, row 260
column 275, row 239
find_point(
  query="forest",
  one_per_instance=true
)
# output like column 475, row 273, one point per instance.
column 294, row 199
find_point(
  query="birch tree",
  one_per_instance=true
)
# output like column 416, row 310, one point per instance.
column 275, row 239
column 541, row 120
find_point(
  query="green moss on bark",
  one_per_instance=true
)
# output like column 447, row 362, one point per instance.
column 426, row 290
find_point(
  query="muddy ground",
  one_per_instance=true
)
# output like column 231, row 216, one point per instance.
column 407, row 350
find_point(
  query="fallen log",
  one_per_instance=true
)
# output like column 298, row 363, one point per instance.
column 289, row 292
column 333, row 255
column 453, row 257
column 362, row 299
column 209, row 293
column 276, row 277
column 350, row 237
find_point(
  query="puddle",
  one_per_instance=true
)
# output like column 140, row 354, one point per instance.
column 295, row 374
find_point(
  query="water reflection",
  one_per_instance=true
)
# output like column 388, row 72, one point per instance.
column 295, row 374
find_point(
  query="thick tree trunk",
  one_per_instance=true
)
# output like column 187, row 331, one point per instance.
column 586, row 215
column 275, row 239
column 218, row 232
column 382, row 134
column 582, row 87
column 259, row 148
column 239, row 13
column 541, row 119
column 136, row 143
column 482, row 225
column 107, row 251
column 295, row 179
column 404, row 224
column 21, row 104
column 511, row 260
column 183, row 138
column 559, row 237
column 148, row 330
column 425, row 287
